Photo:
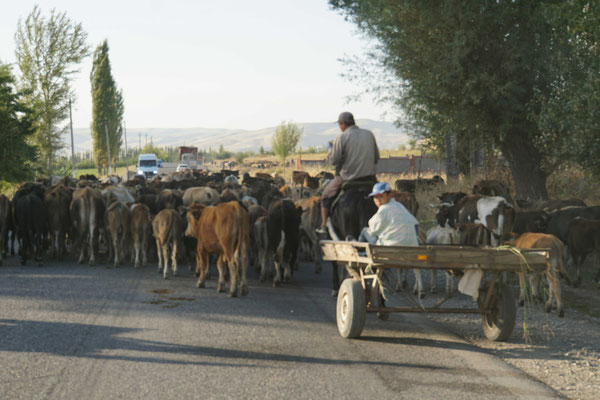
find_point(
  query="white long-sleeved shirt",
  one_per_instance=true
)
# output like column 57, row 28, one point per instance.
column 393, row 225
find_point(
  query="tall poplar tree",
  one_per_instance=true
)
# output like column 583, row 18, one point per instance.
column 48, row 51
column 107, row 109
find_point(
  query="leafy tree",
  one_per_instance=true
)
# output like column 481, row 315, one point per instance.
column 261, row 151
column 239, row 157
column 570, row 114
column 107, row 109
column 16, row 155
column 477, row 69
column 285, row 139
column 48, row 51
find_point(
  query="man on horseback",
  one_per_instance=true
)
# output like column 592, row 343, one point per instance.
column 354, row 155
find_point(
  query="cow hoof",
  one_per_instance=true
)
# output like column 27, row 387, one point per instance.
column 39, row 264
column 561, row 313
column 521, row 302
column 220, row 288
column 232, row 294
column 318, row 270
column 200, row 285
column 136, row 265
column 334, row 293
column 548, row 308
column 22, row 262
column 276, row 283
column 244, row 291
column 263, row 277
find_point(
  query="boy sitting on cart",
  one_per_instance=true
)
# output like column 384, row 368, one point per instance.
column 393, row 224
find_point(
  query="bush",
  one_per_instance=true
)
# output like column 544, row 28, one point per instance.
column 88, row 164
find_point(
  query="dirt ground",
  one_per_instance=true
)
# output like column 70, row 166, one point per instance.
column 564, row 353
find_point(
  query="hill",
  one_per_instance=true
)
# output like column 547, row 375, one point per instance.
column 315, row 134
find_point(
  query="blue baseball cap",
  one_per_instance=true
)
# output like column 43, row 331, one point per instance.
column 379, row 188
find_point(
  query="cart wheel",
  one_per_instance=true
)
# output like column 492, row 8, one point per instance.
column 500, row 322
column 351, row 309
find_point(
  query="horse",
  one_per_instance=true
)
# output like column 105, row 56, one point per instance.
column 350, row 214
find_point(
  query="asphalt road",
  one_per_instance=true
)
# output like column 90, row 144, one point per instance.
column 70, row 331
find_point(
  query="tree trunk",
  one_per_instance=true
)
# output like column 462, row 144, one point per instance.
column 525, row 165
column 451, row 165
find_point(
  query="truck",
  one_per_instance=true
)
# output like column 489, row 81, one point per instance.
column 189, row 155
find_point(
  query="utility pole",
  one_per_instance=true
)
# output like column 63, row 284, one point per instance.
column 146, row 139
column 126, row 162
column 140, row 137
column 108, row 149
column 72, row 142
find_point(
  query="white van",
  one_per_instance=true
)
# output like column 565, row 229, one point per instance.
column 147, row 165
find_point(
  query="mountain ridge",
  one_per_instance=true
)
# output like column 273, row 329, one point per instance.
column 315, row 134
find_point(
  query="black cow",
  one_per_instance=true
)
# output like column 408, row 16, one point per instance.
column 410, row 185
column 5, row 214
column 283, row 228
column 583, row 238
column 530, row 221
column 558, row 224
column 30, row 221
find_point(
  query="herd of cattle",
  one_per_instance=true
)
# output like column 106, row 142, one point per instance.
column 263, row 221
column 257, row 220
column 489, row 216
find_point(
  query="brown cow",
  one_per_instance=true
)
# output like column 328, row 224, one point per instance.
column 57, row 200
column 87, row 214
column 408, row 200
column 298, row 177
column 141, row 230
column 224, row 230
column 474, row 235
column 167, row 228
column 311, row 220
column 557, row 248
column 286, row 191
column 119, row 217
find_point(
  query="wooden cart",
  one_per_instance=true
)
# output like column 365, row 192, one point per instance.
column 365, row 264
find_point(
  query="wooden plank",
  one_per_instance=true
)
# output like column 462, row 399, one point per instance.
column 436, row 257
column 426, row 310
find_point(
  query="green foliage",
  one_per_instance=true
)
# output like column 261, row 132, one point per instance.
column 570, row 112
column 285, row 139
column 476, row 69
column 261, row 151
column 222, row 154
column 16, row 155
column 48, row 51
column 239, row 157
column 107, row 109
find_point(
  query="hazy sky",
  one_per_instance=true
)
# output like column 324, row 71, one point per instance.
column 222, row 64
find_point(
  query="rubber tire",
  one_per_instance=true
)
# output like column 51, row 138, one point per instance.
column 351, row 309
column 498, row 327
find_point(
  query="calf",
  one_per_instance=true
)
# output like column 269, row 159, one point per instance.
column 167, row 228
column 254, row 213
column 442, row 236
column 118, row 222
column 556, row 266
column 141, row 230
column 57, row 201
column 87, row 214
column 583, row 238
column 222, row 230
column 298, row 177
column 283, row 226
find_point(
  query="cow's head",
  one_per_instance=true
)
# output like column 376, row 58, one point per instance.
column 193, row 215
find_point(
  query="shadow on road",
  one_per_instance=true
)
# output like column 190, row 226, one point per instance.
column 104, row 342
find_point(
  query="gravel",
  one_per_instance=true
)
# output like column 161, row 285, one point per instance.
column 563, row 353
